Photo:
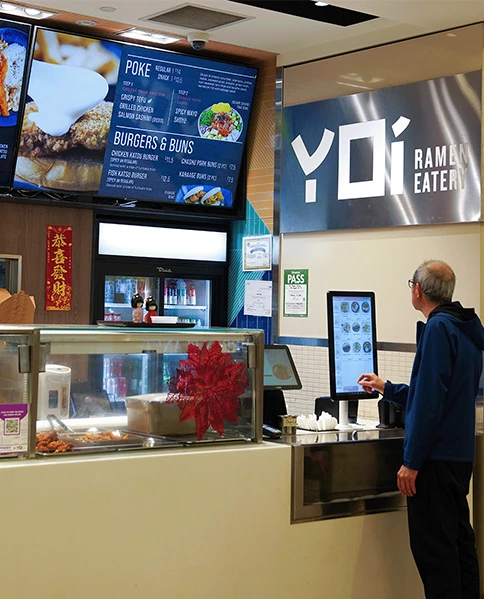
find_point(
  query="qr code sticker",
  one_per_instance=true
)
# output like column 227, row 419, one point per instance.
column 12, row 426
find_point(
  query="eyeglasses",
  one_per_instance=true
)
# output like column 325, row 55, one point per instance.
column 411, row 283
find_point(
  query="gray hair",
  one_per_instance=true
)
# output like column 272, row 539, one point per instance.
column 437, row 280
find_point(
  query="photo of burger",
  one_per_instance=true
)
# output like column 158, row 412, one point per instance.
column 70, row 162
column 66, row 122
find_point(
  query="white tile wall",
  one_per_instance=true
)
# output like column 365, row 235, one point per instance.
column 312, row 364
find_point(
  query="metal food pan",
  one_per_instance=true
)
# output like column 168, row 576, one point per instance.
column 87, row 439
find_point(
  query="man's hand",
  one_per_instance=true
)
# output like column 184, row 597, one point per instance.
column 370, row 382
column 406, row 481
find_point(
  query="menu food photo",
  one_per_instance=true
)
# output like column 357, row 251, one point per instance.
column 125, row 121
column 14, row 41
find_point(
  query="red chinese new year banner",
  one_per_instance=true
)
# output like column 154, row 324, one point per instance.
column 58, row 287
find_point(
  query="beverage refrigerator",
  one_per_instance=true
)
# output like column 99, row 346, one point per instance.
column 182, row 272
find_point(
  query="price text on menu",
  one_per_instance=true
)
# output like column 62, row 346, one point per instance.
column 179, row 123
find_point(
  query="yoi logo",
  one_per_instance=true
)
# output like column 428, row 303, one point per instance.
column 375, row 132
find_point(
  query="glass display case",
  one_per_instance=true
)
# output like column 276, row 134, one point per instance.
column 103, row 389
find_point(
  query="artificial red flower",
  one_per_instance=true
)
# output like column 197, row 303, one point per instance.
column 207, row 387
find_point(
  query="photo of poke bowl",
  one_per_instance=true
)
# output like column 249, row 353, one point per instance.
column 193, row 196
column 366, row 328
column 367, row 347
column 355, row 307
column 346, row 327
column 221, row 122
column 215, row 197
column 365, row 306
column 345, row 307
column 357, row 347
column 356, row 327
column 346, row 347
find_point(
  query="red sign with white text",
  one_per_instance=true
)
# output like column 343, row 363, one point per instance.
column 58, row 287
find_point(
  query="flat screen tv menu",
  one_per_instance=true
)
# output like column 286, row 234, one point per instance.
column 14, row 43
column 131, row 122
column 178, row 128
column 353, row 341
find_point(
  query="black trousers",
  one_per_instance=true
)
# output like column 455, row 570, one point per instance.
column 441, row 536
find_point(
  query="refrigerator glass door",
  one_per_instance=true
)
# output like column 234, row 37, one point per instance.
column 119, row 291
column 189, row 299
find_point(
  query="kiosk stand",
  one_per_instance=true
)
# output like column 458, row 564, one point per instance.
column 352, row 347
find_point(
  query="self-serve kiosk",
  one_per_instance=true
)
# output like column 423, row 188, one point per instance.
column 352, row 347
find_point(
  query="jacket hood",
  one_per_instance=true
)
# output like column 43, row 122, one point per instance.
column 465, row 319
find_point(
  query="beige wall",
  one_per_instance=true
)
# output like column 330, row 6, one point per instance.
column 380, row 260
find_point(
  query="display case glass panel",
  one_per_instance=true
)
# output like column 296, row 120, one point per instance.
column 131, row 388
column 14, row 392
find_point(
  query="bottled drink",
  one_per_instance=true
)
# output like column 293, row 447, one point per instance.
column 192, row 295
column 109, row 291
column 181, row 292
column 165, row 294
column 172, row 294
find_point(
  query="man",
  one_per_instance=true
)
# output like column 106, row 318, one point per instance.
column 439, row 434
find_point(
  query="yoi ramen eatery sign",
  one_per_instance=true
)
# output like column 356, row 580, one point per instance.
column 405, row 155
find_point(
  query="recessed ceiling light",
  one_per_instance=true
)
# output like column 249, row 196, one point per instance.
column 32, row 12
column 6, row 6
column 86, row 23
column 149, row 36
column 321, row 3
column 108, row 9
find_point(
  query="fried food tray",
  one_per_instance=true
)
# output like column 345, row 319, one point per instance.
column 85, row 442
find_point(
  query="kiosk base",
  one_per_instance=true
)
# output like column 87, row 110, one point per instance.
column 343, row 424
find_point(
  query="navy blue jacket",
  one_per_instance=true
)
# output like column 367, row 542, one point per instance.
column 440, row 400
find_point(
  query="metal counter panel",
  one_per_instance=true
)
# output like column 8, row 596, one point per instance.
column 345, row 474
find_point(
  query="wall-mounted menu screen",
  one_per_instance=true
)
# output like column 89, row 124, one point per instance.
column 123, row 121
column 14, row 43
column 352, row 342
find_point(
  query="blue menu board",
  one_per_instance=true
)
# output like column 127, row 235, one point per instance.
column 14, row 40
column 178, row 128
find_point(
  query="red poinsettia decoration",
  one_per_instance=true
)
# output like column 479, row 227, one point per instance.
column 207, row 387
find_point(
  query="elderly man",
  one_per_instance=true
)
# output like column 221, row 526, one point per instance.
column 439, row 434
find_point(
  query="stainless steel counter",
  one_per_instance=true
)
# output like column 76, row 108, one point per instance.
column 336, row 473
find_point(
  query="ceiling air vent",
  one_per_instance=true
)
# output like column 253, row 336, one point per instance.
column 195, row 17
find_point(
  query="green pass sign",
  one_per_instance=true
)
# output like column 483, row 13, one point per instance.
column 296, row 293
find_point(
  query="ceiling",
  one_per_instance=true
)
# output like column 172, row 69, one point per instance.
column 264, row 33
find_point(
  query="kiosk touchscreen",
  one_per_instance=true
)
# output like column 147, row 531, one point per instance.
column 279, row 374
column 279, row 369
column 352, row 343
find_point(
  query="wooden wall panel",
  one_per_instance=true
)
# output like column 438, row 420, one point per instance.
column 260, row 144
column 23, row 231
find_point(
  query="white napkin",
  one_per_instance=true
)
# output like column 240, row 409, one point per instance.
column 311, row 422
